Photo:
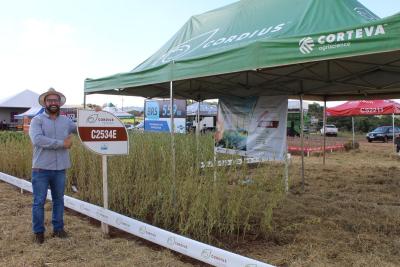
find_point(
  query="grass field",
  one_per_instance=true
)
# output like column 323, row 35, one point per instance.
column 349, row 215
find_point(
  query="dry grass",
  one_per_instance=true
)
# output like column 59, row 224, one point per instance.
column 349, row 215
column 142, row 186
column 84, row 247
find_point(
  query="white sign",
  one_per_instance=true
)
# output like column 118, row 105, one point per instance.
column 102, row 132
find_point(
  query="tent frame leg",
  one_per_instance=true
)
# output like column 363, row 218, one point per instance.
column 302, row 142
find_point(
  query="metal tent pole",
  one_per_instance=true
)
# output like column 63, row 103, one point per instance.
column 286, row 171
column 352, row 125
column 302, row 142
column 198, row 118
column 172, row 130
column 84, row 100
column 393, row 134
column 324, row 127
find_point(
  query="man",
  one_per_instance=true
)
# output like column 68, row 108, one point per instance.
column 51, row 137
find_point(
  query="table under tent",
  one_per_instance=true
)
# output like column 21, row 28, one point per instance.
column 304, row 49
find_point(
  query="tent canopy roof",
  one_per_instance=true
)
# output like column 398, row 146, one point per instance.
column 328, row 50
column 117, row 112
column 24, row 99
column 365, row 108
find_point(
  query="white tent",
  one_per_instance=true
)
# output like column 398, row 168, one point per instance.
column 24, row 99
column 206, row 109
column 32, row 112
column 118, row 113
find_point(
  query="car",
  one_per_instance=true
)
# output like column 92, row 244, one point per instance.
column 382, row 133
column 330, row 130
column 140, row 127
column 129, row 127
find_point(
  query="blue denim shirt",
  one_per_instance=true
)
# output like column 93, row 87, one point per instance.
column 47, row 137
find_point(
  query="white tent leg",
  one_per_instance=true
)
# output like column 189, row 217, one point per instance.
column 84, row 101
column 302, row 142
column 324, row 127
column 352, row 125
column 172, row 130
column 198, row 126
column 393, row 134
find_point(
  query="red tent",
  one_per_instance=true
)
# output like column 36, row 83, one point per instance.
column 364, row 108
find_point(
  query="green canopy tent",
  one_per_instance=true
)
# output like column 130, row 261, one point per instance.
column 324, row 50
column 312, row 49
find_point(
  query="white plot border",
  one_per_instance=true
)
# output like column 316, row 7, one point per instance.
column 192, row 248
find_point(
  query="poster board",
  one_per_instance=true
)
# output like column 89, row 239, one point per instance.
column 252, row 127
column 157, row 115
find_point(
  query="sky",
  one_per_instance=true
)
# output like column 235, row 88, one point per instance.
column 47, row 43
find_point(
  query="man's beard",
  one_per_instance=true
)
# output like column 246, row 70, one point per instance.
column 53, row 109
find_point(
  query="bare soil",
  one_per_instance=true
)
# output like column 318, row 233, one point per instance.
column 348, row 215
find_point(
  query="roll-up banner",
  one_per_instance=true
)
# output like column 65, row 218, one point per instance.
column 157, row 115
column 252, row 127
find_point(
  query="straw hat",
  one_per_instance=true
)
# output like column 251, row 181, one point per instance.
column 51, row 91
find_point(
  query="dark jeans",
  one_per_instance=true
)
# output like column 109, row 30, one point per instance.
column 41, row 179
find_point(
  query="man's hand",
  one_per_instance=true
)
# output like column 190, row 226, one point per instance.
column 68, row 142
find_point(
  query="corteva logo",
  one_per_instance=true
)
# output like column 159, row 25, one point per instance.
column 339, row 39
column 306, row 45
column 173, row 242
column 207, row 254
column 95, row 118
column 144, row 231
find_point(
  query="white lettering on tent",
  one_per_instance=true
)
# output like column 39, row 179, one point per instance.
column 254, row 33
column 230, row 39
column 380, row 30
column 340, row 37
column 359, row 33
column 187, row 47
column 331, row 38
column 369, row 31
column 351, row 34
column 279, row 27
column 264, row 31
column 206, row 40
column 243, row 36
column 220, row 41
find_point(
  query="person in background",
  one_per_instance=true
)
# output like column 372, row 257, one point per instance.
column 51, row 137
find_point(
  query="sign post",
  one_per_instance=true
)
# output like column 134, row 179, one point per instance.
column 104, row 134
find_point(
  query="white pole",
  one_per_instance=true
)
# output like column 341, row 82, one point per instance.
column 352, row 124
column 286, row 174
column 324, row 127
column 393, row 134
column 172, row 129
column 104, row 226
column 198, row 129
column 302, row 142
column 198, row 118
column 84, row 101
